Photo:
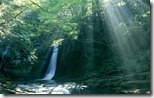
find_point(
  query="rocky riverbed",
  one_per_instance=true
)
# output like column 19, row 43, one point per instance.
column 91, row 84
column 41, row 87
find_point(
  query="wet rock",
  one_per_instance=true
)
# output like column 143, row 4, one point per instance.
column 9, row 91
column 18, row 89
column 6, row 87
column 60, row 90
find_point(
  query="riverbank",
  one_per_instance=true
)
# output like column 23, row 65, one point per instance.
column 90, row 84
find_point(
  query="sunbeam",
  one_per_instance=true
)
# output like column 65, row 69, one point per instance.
column 121, row 24
column 75, row 47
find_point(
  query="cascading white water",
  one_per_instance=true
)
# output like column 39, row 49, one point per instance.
column 52, row 66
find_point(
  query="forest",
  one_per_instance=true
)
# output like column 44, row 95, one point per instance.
column 85, row 46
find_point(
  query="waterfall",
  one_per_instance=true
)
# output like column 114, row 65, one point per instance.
column 52, row 66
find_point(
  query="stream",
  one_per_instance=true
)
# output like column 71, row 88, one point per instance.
column 49, row 87
column 112, row 85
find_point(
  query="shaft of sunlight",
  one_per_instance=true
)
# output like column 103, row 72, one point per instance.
column 120, row 19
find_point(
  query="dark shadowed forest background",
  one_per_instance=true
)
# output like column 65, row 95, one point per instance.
column 104, row 44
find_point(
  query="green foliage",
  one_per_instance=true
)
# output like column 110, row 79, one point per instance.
column 29, row 30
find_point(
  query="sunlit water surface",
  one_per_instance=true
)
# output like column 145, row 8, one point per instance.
column 49, row 87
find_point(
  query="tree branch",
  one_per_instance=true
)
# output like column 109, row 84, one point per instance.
column 39, row 6
column 18, row 14
column 21, row 12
